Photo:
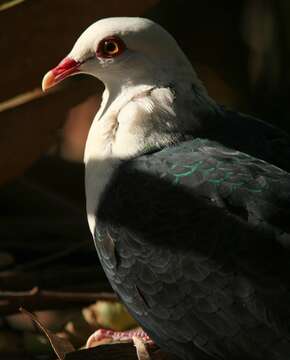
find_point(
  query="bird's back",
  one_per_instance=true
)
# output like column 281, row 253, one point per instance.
column 249, row 135
column 194, row 240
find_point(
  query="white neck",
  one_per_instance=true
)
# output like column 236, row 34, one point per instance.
column 132, row 119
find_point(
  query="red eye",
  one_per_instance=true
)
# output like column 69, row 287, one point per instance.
column 110, row 47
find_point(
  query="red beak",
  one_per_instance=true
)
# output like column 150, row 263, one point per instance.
column 65, row 68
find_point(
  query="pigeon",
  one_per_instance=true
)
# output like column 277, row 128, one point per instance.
column 188, row 202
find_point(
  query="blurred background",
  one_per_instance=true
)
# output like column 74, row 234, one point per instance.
column 241, row 51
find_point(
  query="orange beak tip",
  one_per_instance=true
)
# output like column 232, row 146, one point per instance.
column 48, row 81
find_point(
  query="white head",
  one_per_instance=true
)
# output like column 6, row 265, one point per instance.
column 127, row 50
column 149, row 99
column 134, row 56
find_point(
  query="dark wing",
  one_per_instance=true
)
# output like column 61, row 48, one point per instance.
column 250, row 135
column 192, row 239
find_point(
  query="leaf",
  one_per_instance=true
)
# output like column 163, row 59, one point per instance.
column 104, row 314
column 110, row 315
column 60, row 345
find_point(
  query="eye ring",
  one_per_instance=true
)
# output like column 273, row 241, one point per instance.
column 110, row 47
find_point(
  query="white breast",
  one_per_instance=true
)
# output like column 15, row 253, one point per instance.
column 139, row 118
column 99, row 163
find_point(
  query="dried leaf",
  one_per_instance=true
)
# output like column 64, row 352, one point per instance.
column 142, row 352
column 60, row 345
column 105, row 314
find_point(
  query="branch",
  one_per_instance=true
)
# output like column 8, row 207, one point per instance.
column 22, row 98
column 9, row 4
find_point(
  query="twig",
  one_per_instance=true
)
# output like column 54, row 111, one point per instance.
column 36, row 299
column 22, row 98
column 9, row 4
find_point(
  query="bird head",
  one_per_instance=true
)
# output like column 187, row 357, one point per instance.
column 152, row 95
column 125, row 50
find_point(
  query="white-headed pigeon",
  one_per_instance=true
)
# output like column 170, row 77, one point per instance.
column 188, row 202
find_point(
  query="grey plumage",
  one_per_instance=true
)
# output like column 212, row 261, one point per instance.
column 192, row 239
